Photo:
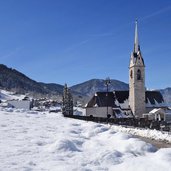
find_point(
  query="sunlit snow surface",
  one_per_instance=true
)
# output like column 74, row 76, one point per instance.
column 32, row 141
column 7, row 95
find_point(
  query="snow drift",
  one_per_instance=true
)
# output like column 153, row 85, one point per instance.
column 34, row 141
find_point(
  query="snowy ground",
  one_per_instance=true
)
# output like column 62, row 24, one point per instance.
column 32, row 141
column 7, row 95
column 147, row 133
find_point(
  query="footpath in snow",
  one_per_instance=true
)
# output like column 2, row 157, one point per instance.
column 147, row 133
column 32, row 141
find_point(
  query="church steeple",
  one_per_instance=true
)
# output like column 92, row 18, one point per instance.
column 136, row 57
column 136, row 43
column 137, row 79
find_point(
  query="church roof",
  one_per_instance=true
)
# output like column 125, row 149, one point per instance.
column 136, row 56
column 101, row 99
column 136, row 43
column 121, row 96
column 153, row 97
column 121, row 99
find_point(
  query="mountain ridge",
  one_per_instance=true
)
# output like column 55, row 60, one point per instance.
column 13, row 80
column 93, row 85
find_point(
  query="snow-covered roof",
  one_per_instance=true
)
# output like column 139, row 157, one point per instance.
column 155, row 110
column 121, row 99
column 154, row 99
column 101, row 99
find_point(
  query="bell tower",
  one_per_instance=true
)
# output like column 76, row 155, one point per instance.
column 137, row 79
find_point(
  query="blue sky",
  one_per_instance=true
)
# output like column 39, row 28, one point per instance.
column 71, row 41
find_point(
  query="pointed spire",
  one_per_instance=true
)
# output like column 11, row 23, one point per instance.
column 136, row 43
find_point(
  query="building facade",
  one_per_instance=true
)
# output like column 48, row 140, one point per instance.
column 137, row 79
column 134, row 102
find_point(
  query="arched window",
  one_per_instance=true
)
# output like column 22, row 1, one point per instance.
column 131, row 74
column 138, row 75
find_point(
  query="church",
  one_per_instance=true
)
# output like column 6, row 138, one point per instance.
column 135, row 102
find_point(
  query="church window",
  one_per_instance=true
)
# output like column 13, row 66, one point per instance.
column 138, row 75
column 131, row 74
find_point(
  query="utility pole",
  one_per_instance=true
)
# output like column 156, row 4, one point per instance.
column 107, row 83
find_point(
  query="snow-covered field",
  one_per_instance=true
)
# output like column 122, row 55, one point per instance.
column 32, row 141
column 7, row 95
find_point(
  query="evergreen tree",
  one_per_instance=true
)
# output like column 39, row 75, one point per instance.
column 67, row 108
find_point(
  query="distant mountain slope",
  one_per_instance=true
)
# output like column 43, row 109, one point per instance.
column 53, row 88
column 13, row 80
column 88, row 88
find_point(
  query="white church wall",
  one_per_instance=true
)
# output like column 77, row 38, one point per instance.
column 99, row 111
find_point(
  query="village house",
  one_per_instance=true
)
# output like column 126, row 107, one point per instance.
column 25, row 103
